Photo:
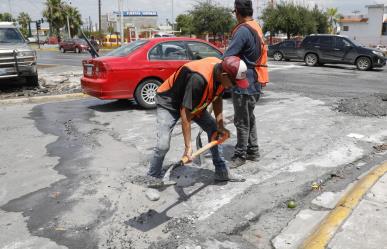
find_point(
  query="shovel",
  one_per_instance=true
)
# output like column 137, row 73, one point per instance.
column 215, row 140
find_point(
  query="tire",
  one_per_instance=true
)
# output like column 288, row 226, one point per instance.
column 278, row 56
column 146, row 93
column 311, row 60
column 363, row 63
column 77, row 50
column 32, row 81
column 62, row 50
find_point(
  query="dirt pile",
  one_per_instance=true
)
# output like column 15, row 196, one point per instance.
column 369, row 106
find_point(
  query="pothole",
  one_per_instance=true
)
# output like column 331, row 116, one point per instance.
column 369, row 106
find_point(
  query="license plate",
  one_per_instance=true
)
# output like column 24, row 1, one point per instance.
column 89, row 70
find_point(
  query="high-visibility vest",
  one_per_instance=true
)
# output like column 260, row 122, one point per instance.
column 261, row 63
column 204, row 67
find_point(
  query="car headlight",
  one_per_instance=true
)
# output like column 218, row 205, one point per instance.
column 378, row 53
column 25, row 53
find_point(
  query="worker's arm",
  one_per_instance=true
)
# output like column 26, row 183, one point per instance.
column 218, row 112
column 186, row 117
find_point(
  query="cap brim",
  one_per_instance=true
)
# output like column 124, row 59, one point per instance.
column 242, row 83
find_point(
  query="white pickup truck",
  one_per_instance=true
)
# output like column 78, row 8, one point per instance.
column 17, row 58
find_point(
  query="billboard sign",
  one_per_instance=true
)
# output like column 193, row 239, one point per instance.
column 137, row 13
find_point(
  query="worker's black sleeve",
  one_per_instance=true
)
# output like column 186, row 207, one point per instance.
column 194, row 91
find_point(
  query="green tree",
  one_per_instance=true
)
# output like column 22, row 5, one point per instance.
column 321, row 20
column 185, row 24
column 75, row 19
column 6, row 17
column 24, row 19
column 293, row 19
column 210, row 18
column 333, row 16
column 53, row 12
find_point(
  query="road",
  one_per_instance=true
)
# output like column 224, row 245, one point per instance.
column 70, row 174
column 57, row 58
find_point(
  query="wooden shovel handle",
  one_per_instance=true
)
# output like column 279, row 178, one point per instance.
column 215, row 141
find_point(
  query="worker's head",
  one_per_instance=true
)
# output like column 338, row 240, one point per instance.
column 243, row 8
column 233, row 73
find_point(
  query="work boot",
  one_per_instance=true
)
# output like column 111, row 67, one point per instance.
column 226, row 175
column 253, row 157
column 237, row 161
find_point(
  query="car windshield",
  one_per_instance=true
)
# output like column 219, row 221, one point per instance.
column 127, row 49
column 10, row 35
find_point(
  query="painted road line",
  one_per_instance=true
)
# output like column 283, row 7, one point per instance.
column 38, row 99
column 328, row 227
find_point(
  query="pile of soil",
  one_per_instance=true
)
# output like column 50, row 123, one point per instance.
column 370, row 106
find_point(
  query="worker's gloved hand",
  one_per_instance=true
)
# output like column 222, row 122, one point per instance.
column 187, row 156
column 223, row 134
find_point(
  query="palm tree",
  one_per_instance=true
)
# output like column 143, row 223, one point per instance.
column 75, row 19
column 53, row 12
column 333, row 17
column 24, row 20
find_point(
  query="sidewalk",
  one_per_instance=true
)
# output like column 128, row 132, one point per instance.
column 351, row 219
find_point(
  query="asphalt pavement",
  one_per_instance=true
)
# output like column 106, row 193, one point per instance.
column 70, row 174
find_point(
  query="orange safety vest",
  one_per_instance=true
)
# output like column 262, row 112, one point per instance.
column 261, row 63
column 204, row 67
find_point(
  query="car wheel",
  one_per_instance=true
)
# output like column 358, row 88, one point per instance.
column 77, row 50
column 32, row 81
column 146, row 93
column 363, row 63
column 278, row 56
column 311, row 60
column 62, row 50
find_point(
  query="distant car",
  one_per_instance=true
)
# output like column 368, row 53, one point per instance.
column 285, row 50
column 75, row 45
column 137, row 69
column 17, row 58
column 335, row 49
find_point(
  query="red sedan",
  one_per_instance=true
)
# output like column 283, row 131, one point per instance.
column 137, row 69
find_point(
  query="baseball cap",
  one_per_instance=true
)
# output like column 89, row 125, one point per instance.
column 237, row 69
column 243, row 4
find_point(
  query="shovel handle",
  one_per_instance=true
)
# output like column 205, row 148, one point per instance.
column 215, row 141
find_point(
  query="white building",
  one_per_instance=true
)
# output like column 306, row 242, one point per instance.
column 370, row 29
column 131, row 19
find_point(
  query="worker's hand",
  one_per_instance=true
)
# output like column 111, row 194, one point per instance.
column 187, row 156
column 223, row 134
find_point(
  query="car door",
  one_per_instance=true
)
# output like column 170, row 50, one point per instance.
column 200, row 50
column 342, row 48
column 166, row 57
column 288, row 49
column 325, row 49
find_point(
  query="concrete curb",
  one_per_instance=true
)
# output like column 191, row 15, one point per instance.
column 320, row 238
column 39, row 99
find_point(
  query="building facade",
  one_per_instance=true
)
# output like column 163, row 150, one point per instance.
column 370, row 29
column 136, row 20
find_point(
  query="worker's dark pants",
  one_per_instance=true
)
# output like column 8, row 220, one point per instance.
column 244, row 121
column 166, row 121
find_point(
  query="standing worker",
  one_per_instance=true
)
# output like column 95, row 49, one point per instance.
column 247, row 43
column 186, row 95
column 94, row 43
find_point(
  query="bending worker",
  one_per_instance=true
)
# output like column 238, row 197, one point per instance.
column 186, row 94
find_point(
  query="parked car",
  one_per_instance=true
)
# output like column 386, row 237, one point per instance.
column 137, row 69
column 76, row 45
column 17, row 58
column 285, row 50
column 335, row 49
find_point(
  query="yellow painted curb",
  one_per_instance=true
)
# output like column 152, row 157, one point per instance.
column 38, row 99
column 328, row 227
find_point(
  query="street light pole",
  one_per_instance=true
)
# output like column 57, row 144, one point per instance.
column 68, row 25
column 120, row 4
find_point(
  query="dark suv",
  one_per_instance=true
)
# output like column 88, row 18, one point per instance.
column 284, row 50
column 335, row 49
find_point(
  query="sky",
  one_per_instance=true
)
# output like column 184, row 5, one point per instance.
column 164, row 7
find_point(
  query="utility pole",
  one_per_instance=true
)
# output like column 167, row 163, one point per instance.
column 172, row 16
column 120, row 4
column 99, row 16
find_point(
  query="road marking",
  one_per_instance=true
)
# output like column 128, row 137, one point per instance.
column 38, row 99
column 328, row 227
column 282, row 67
